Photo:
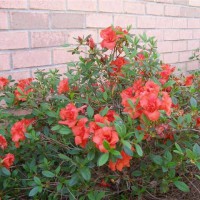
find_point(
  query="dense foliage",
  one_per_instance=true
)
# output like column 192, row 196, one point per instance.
column 118, row 125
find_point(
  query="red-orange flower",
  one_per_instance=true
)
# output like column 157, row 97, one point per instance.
column 109, row 38
column 3, row 82
column 150, row 104
column 69, row 115
column 108, row 134
column 98, row 119
column 104, row 184
column 81, row 132
column 91, row 43
column 8, row 160
column 18, row 130
column 189, row 80
column 167, row 70
column 117, row 65
column 3, row 142
column 63, row 86
column 23, row 89
column 198, row 122
column 166, row 103
column 121, row 162
column 111, row 114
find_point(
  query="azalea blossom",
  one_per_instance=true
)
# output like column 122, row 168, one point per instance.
column 63, row 86
column 3, row 82
column 105, row 134
column 23, row 89
column 81, row 132
column 3, row 142
column 18, row 130
column 121, row 162
column 8, row 160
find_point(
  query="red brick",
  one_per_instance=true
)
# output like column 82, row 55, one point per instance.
column 4, row 20
column 194, row 2
column 193, row 44
column 193, row 23
column 146, row 22
column 164, row 46
column 181, row 2
column 163, row 22
column 170, row 34
column 185, row 34
column 171, row 58
column 184, row 56
column 189, row 12
column 13, row 40
column 196, row 34
column 125, row 20
column 84, row 5
column 155, row 9
column 179, row 23
column 47, row 39
column 17, row 75
column 17, row 4
column 114, row 6
column 21, row 20
column 61, row 56
column 83, row 32
column 35, row 58
column 134, row 7
column 171, row 10
column 48, row 4
column 158, row 34
column 98, row 20
column 179, row 45
column 4, row 62
column 180, row 68
column 193, row 65
column 67, row 20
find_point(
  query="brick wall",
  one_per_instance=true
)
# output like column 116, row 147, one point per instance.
column 32, row 31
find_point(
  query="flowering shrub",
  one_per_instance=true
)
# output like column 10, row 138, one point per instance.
column 118, row 122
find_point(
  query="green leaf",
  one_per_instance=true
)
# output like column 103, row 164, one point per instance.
column 34, row 191
column 196, row 149
column 56, row 128
column 120, row 128
column 5, row 171
column 74, row 180
column 85, row 173
column 105, row 95
column 115, row 153
column 157, row 159
column 48, row 174
column 64, row 157
column 65, row 130
column 103, row 159
column 126, row 143
column 37, row 180
column 181, row 186
column 104, row 111
column 91, row 155
column 190, row 154
column 178, row 148
column 90, row 111
column 193, row 102
column 137, row 173
column 169, row 83
column 139, row 150
column 106, row 145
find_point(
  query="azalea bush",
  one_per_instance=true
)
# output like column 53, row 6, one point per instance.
column 119, row 124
